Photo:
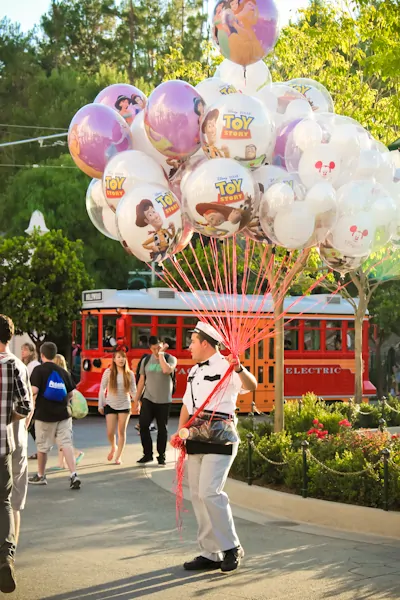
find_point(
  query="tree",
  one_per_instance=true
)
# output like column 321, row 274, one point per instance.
column 41, row 281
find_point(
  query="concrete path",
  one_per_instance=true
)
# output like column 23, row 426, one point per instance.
column 116, row 539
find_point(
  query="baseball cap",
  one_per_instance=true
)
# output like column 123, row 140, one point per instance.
column 209, row 331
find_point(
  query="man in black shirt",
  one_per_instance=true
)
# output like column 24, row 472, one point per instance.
column 52, row 388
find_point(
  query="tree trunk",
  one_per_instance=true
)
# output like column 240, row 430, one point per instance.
column 132, row 42
column 358, row 342
column 380, row 383
column 279, row 421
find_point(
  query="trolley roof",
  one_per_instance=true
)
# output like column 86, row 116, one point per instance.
column 166, row 299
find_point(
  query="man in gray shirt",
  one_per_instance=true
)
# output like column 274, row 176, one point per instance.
column 155, row 385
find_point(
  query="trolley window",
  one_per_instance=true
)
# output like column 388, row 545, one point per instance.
column 333, row 336
column 91, row 333
column 109, row 331
column 292, row 335
column 312, row 335
column 141, row 331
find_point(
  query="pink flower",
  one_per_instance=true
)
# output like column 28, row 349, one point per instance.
column 315, row 422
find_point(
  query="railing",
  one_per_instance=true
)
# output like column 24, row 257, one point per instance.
column 307, row 456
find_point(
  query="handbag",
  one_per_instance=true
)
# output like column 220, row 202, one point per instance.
column 210, row 427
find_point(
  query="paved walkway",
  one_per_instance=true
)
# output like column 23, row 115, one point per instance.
column 117, row 539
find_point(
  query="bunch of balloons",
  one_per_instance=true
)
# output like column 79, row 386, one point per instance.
column 237, row 154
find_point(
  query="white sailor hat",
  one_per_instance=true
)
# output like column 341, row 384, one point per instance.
column 209, row 331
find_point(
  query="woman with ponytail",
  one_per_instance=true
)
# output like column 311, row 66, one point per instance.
column 117, row 389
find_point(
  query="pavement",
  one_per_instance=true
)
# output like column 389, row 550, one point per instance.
column 117, row 539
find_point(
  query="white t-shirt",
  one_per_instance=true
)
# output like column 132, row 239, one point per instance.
column 30, row 366
column 204, row 379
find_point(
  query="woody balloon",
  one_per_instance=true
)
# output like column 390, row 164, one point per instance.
column 149, row 222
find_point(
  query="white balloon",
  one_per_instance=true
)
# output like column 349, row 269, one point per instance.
column 354, row 235
column 319, row 163
column 257, row 76
column 297, row 109
column 344, row 138
column 280, row 196
column 213, row 88
column 294, row 227
column 110, row 222
column 316, row 94
column 384, row 211
column 126, row 170
column 307, row 133
column 321, row 198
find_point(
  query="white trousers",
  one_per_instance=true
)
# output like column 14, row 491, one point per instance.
column 207, row 474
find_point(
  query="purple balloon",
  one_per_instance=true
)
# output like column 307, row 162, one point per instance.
column 95, row 135
column 172, row 119
column 245, row 30
column 282, row 136
column 126, row 99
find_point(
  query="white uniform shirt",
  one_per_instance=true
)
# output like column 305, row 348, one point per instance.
column 205, row 378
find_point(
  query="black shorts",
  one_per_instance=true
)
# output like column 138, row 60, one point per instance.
column 113, row 411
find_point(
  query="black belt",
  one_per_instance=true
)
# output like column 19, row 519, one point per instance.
column 218, row 414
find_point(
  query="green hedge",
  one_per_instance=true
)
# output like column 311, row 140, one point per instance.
column 341, row 448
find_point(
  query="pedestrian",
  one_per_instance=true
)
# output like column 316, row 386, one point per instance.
column 15, row 405
column 52, row 389
column 19, row 473
column 117, row 389
column 209, row 463
column 61, row 362
column 29, row 358
column 154, row 391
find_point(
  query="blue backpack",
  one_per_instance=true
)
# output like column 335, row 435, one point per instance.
column 55, row 390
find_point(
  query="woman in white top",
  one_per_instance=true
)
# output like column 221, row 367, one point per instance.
column 117, row 389
column 29, row 358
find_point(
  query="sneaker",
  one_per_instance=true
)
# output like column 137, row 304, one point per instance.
column 231, row 560
column 7, row 576
column 37, row 480
column 137, row 427
column 144, row 460
column 152, row 427
column 161, row 461
column 201, row 563
column 75, row 482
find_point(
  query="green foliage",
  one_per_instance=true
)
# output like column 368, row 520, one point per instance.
column 41, row 280
column 348, row 451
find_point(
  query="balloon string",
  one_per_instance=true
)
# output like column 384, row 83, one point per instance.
column 245, row 76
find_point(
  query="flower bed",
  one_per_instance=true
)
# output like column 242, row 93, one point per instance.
column 333, row 442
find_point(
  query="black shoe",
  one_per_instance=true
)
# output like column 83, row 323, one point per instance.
column 145, row 459
column 7, row 576
column 232, row 559
column 75, row 482
column 161, row 460
column 201, row 563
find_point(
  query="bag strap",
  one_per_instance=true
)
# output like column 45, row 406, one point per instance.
column 190, row 380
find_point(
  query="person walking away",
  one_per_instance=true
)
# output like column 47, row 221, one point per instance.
column 209, row 464
column 52, row 388
column 29, row 358
column 154, row 391
column 117, row 388
column 61, row 362
column 19, row 473
column 15, row 405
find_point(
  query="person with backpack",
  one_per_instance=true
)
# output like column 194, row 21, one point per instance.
column 154, row 391
column 117, row 387
column 52, row 389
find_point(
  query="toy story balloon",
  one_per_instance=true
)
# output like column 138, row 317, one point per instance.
column 125, row 171
column 219, row 197
column 149, row 221
column 126, row 99
column 95, row 135
column 317, row 95
column 172, row 119
column 238, row 127
column 212, row 89
column 256, row 77
column 245, row 30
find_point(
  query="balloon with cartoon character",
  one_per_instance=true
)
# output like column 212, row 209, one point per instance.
column 338, row 261
column 149, row 222
column 211, row 90
column 172, row 119
column 245, row 30
column 125, row 171
column 126, row 99
column 319, row 163
column 238, row 127
column 354, row 235
column 95, row 135
column 218, row 198
column 316, row 94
